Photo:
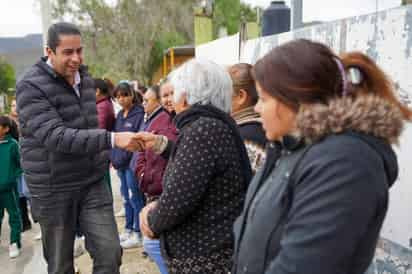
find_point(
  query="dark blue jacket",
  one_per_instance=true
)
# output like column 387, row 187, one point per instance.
column 120, row 158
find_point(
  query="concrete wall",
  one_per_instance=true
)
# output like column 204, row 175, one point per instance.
column 387, row 38
column 223, row 51
column 3, row 103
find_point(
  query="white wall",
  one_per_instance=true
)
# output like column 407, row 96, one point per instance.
column 223, row 51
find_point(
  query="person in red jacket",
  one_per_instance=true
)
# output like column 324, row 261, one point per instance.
column 105, row 111
column 151, row 166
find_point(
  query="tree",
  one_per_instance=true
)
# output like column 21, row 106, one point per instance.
column 166, row 41
column 126, row 40
column 7, row 76
column 229, row 13
column 247, row 13
column 226, row 14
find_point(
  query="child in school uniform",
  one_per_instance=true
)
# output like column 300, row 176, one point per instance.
column 9, row 172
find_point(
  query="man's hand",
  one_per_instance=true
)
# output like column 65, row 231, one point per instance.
column 147, row 139
column 127, row 141
column 144, row 224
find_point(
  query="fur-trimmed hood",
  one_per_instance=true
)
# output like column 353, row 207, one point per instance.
column 365, row 114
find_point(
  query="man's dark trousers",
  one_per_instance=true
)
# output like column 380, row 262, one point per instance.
column 92, row 210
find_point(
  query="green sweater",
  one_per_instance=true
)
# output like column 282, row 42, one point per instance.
column 9, row 163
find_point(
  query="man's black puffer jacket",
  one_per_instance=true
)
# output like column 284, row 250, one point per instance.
column 62, row 149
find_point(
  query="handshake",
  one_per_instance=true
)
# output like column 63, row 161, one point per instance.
column 132, row 141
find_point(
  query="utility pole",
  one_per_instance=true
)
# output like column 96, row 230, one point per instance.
column 45, row 9
column 297, row 14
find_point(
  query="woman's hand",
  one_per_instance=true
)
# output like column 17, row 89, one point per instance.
column 143, row 217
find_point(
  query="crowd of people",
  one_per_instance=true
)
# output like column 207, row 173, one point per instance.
column 280, row 167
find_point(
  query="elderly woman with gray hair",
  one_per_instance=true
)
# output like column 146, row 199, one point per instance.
column 206, row 179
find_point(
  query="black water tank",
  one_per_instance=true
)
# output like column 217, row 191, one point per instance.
column 276, row 18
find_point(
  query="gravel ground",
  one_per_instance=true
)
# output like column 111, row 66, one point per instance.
column 31, row 259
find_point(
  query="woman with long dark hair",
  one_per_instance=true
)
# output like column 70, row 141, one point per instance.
column 130, row 118
column 318, row 204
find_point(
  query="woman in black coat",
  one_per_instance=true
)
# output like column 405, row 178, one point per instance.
column 206, row 178
column 318, row 204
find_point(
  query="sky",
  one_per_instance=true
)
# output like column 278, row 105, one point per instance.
column 19, row 17
column 22, row 17
column 329, row 10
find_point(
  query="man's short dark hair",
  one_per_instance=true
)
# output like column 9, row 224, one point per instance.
column 62, row 28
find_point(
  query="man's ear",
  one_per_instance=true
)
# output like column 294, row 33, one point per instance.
column 50, row 52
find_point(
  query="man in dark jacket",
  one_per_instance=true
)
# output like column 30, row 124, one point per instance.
column 64, row 155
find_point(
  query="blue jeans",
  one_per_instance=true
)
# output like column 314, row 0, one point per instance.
column 152, row 247
column 22, row 187
column 132, row 198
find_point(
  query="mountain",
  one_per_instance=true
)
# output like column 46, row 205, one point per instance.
column 21, row 52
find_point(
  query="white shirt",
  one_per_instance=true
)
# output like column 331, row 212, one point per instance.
column 77, row 79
